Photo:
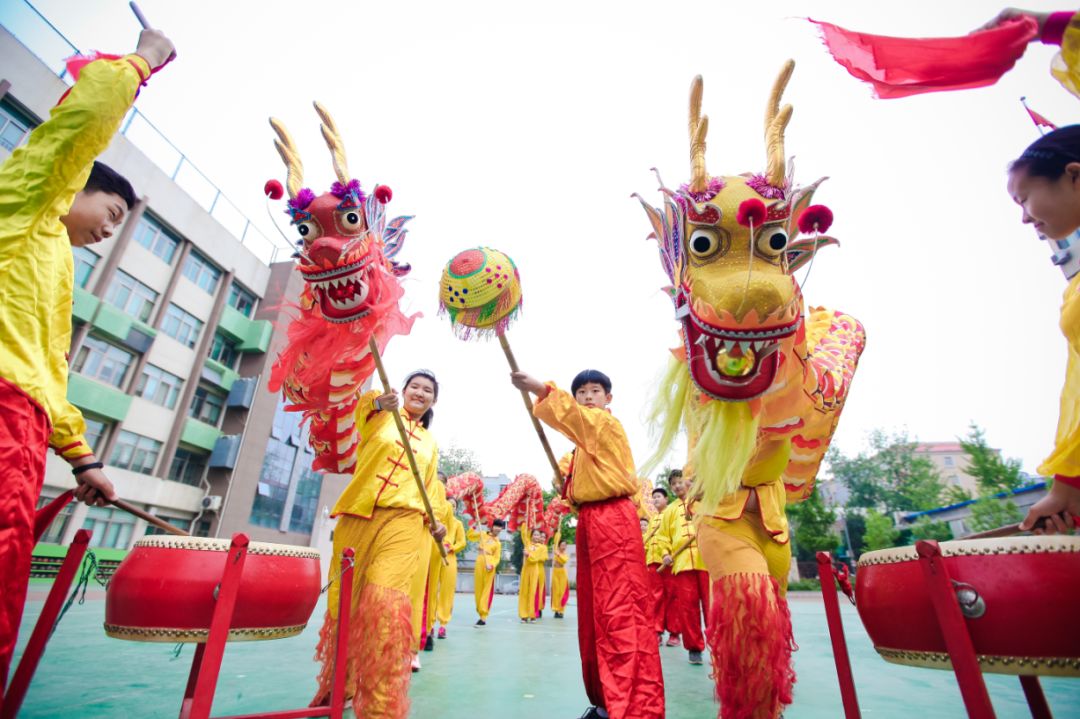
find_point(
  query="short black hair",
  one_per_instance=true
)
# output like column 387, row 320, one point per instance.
column 586, row 376
column 673, row 475
column 1048, row 156
column 105, row 179
column 499, row 523
column 660, row 490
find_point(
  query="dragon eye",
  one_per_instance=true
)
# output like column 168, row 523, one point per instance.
column 704, row 242
column 772, row 241
column 308, row 230
column 351, row 221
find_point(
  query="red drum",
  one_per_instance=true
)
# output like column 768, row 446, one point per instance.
column 1019, row 596
column 164, row 590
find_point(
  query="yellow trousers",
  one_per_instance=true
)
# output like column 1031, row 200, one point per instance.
column 530, row 590
column 442, row 581
column 560, row 589
column 418, row 592
column 484, row 587
column 387, row 554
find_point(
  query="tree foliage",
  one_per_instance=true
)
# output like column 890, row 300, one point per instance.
column 890, row 477
column 995, row 475
column 457, row 460
column 813, row 527
column 925, row 528
column 990, row 512
column 568, row 524
column 880, row 532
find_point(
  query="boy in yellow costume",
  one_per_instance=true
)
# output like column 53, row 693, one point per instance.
column 678, row 547
column 560, row 584
column 487, row 566
column 437, row 569
column 381, row 516
column 53, row 196
column 420, row 594
column 531, row 585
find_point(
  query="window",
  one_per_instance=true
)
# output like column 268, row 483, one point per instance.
column 131, row 296
column 135, row 452
column 150, row 234
column 188, row 466
column 184, row 524
column 102, row 361
column 15, row 125
column 306, row 502
column 207, row 405
column 84, row 265
column 181, row 326
column 199, row 270
column 224, row 351
column 111, row 527
column 95, row 433
column 241, row 300
column 273, row 487
column 55, row 532
column 949, row 462
column 159, row 386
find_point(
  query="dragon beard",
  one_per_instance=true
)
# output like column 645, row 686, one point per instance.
column 723, row 435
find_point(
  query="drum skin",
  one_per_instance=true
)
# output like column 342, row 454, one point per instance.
column 164, row 590
column 1030, row 586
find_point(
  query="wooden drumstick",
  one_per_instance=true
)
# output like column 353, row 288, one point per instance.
column 147, row 517
column 405, row 443
column 139, row 15
column 678, row 551
column 505, row 344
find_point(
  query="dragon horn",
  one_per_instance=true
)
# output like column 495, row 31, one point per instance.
column 333, row 141
column 776, row 121
column 289, row 155
column 699, row 128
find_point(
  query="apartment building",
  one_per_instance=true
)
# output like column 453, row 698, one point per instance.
column 173, row 335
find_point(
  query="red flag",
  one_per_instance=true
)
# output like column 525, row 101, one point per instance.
column 1039, row 120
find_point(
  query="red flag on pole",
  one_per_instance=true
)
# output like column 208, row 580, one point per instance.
column 1039, row 120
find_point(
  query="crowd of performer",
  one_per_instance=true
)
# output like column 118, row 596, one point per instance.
column 642, row 581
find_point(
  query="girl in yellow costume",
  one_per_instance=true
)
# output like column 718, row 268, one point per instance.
column 382, row 518
column 487, row 565
column 531, row 586
column 560, row 584
column 1045, row 182
column 444, row 605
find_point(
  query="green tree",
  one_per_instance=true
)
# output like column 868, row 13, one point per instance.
column 517, row 553
column 813, row 523
column 924, row 528
column 457, row 460
column 990, row 512
column 956, row 495
column 880, row 532
column 993, row 473
column 856, row 531
column 891, row 477
column 567, row 525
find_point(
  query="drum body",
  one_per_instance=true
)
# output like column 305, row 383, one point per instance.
column 165, row 590
column 1026, row 587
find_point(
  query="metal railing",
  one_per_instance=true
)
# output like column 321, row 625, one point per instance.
column 49, row 45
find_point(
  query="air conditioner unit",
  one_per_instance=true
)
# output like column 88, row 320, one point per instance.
column 212, row 502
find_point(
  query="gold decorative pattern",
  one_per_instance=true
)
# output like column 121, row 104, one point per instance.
column 206, row 544
column 162, row 634
column 991, row 663
column 978, row 547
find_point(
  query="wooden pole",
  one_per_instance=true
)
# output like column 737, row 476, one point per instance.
column 147, row 517
column 405, row 443
column 505, row 344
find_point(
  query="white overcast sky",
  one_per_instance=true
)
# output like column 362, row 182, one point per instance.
column 526, row 126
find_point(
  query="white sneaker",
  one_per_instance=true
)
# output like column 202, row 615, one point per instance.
column 415, row 663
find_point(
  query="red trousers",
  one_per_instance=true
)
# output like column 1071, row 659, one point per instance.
column 656, row 596
column 620, row 660
column 668, row 614
column 24, row 442
column 691, row 606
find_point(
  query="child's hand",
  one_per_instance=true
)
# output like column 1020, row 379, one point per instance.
column 1011, row 13
column 388, row 402
column 667, row 560
column 1057, row 506
column 155, row 48
column 438, row 531
column 528, row 383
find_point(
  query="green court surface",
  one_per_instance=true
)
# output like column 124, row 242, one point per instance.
column 506, row 669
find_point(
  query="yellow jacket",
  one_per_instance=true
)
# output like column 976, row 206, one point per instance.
column 1065, row 459
column 653, row 550
column 490, row 549
column 561, row 558
column 676, row 531
column 38, row 184
column 455, row 536
column 536, row 553
column 1066, row 64
column 382, row 477
column 603, row 466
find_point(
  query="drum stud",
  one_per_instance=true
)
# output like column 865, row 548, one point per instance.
column 972, row 605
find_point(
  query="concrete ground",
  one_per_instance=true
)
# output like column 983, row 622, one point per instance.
column 506, row 669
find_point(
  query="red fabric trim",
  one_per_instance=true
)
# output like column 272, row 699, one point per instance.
column 138, row 69
column 1053, row 31
column 1073, row 482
